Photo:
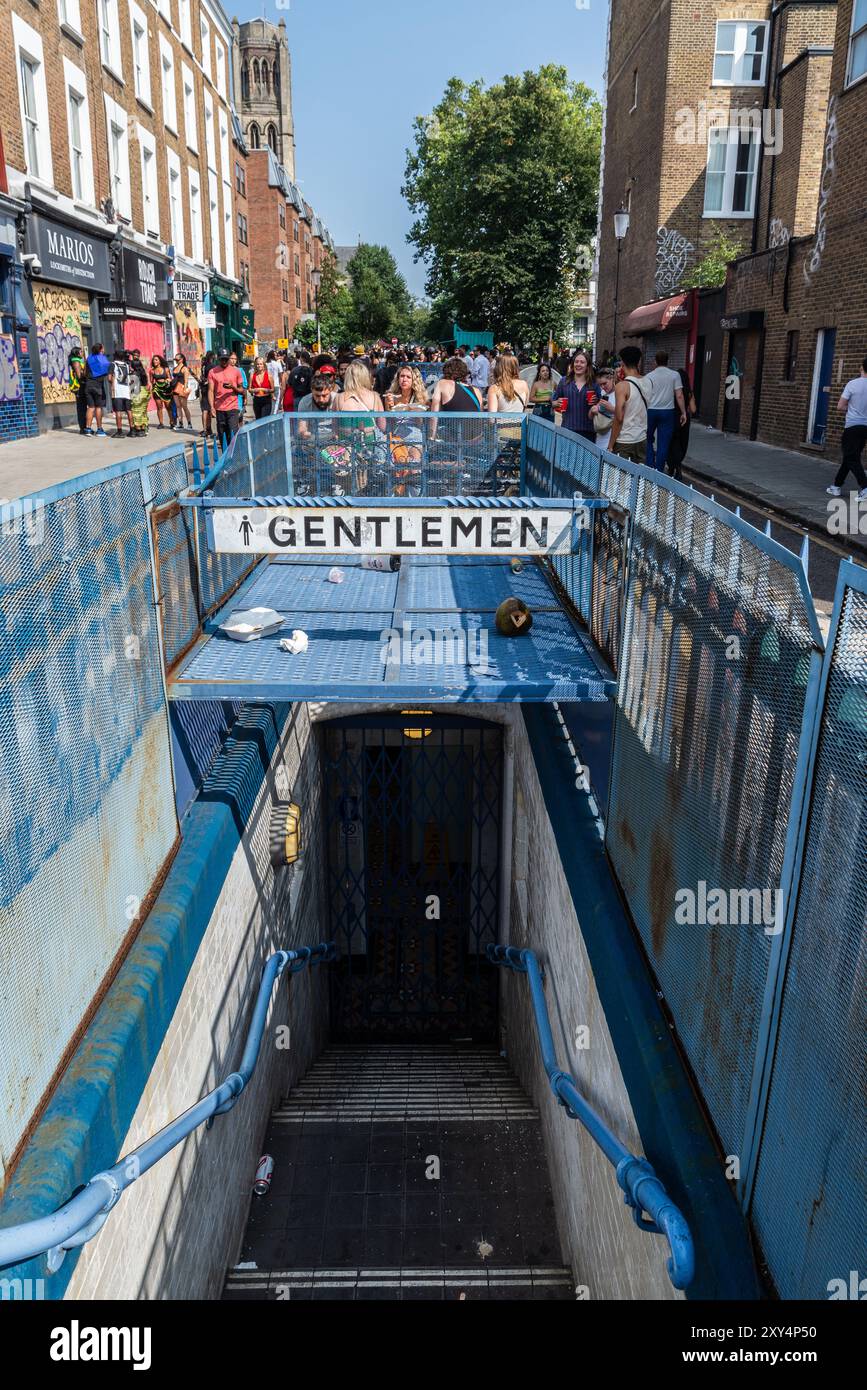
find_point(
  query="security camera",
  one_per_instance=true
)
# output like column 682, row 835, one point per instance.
column 33, row 263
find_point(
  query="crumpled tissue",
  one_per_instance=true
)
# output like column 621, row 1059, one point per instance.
column 298, row 642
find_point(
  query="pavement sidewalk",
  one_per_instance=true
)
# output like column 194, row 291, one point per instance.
column 790, row 484
column 27, row 465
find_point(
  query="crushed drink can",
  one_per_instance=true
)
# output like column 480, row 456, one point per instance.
column 380, row 562
column 262, row 1181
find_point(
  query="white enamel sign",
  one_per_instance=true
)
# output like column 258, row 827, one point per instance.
column 394, row 530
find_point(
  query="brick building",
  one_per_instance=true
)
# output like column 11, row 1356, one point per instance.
column 117, row 131
column 288, row 248
column 691, row 146
column 796, row 309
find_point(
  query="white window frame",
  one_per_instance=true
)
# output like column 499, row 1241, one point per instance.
column 210, row 133
column 220, row 66
column 191, row 132
column 205, row 37
column 225, row 153
column 109, row 37
column 150, row 183
column 168, row 86
column 214, row 217
column 197, row 240
column 185, row 23
column 854, row 36
column 142, row 73
column 69, row 15
column 733, row 140
column 228, row 233
column 28, row 46
column 176, row 203
column 742, row 26
column 75, row 81
column 119, row 179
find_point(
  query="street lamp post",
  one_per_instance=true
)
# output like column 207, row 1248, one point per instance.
column 621, row 227
column 316, row 279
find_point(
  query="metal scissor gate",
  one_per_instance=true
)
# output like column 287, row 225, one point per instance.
column 424, row 632
column 412, row 817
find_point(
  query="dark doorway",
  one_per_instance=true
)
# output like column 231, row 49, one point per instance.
column 412, row 808
column 734, row 383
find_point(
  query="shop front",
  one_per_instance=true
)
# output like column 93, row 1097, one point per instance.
column 71, row 281
column 189, row 296
column 669, row 325
column 18, row 416
column 234, row 325
column 147, row 321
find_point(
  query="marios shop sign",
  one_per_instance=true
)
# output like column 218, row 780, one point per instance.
column 69, row 256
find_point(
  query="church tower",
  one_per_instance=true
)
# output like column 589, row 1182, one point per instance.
column 263, row 88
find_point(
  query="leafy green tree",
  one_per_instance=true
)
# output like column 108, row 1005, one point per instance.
column 710, row 271
column 503, row 183
column 380, row 299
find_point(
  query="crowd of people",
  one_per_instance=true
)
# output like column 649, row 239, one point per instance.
column 124, row 386
column 641, row 416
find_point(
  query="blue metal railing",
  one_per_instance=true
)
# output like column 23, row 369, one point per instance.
column 79, row 1219
column 642, row 1189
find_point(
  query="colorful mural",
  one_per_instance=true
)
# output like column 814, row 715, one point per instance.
column 10, row 380
column 58, row 314
column 191, row 339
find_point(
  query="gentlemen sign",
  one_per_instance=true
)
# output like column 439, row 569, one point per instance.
column 70, row 257
column 394, row 530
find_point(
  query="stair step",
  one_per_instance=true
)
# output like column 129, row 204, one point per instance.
column 474, row 1281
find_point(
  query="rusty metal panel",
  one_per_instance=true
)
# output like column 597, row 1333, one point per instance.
column 87, row 813
column 813, row 1224
column 610, row 547
column 719, row 638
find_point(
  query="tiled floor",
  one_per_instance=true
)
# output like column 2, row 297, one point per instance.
column 396, row 1209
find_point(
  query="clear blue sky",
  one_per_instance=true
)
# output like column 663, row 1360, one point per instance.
column 362, row 72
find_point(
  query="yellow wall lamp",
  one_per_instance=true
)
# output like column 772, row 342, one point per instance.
column 285, row 839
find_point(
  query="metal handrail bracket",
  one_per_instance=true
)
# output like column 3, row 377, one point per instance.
column 643, row 1191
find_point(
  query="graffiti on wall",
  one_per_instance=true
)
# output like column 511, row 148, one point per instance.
column 10, row 379
column 58, row 313
column 672, row 253
column 829, row 170
column 778, row 234
column 191, row 339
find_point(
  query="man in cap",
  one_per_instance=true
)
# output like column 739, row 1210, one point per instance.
column 225, row 386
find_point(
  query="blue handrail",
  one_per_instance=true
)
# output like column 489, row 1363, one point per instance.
column 79, row 1219
column 642, row 1189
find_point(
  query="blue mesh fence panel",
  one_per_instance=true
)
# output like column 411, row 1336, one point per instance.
column 86, row 795
column 711, row 702
column 404, row 454
column 808, row 1202
column 168, row 475
column 541, row 448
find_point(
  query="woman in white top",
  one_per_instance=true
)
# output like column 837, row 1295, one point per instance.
column 507, row 393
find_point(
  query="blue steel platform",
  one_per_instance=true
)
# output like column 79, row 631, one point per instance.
column 346, row 624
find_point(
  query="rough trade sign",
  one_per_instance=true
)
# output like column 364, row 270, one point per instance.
column 394, row 530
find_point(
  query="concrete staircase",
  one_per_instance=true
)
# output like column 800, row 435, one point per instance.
column 404, row 1172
